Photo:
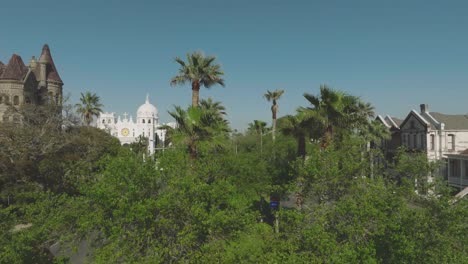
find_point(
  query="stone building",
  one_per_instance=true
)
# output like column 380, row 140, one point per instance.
column 35, row 83
column 128, row 131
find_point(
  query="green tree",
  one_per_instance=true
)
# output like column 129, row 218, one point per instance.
column 199, row 70
column 89, row 107
column 274, row 97
column 197, row 127
column 300, row 126
column 337, row 110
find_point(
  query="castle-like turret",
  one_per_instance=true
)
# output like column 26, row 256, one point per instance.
column 32, row 84
column 48, row 76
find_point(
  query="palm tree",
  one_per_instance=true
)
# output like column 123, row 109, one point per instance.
column 374, row 134
column 301, row 126
column 199, row 71
column 259, row 128
column 336, row 110
column 274, row 96
column 89, row 107
column 197, row 127
column 215, row 107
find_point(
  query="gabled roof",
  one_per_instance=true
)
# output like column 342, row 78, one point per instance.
column 384, row 122
column 418, row 116
column 15, row 69
column 397, row 121
column 46, row 57
column 455, row 122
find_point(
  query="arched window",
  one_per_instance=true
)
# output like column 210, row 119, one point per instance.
column 16, row 100
column 27, row 100
column 7, row 99
column 143, row 121
column 103, row 121
column 149, row 121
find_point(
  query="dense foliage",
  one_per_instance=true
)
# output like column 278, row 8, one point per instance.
column 76, row 192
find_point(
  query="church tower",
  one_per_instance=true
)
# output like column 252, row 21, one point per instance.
column 147, row 121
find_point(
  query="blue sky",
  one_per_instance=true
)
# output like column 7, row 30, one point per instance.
column 394, row 54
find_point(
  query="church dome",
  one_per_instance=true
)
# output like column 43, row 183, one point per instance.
column 147, row 109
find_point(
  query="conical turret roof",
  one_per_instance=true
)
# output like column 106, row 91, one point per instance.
column 15, row 69
column 1, row 68
column 46, row 58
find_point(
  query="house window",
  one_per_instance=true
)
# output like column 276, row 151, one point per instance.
column 149, row 121
column 27, row 100
column 432, row 142
column 421, row 141
column 103, row 121
column 7, row 99
column 455, row 168
column 415, row 141
column 412, row 124
column 16, row 100
column 143, row 121
column 451, row 142
column 466, row 170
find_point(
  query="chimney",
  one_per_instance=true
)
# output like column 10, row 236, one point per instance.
column 33, row 62
column 424, row 108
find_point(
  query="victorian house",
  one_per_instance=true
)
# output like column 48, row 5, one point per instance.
column 440, row 136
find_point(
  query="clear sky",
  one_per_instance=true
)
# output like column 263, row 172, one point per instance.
column 394, row 54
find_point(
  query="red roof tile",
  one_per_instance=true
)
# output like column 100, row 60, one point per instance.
column 1, row 68
column 52, row 73
column 15, row 69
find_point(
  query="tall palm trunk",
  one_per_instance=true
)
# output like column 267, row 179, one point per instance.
column 274, row 109
column 327, row 137
column 195, row 93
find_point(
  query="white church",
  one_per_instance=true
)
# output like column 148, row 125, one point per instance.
column 128, row 130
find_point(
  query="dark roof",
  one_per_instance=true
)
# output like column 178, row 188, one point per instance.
column 15, row 69
column 452, row 121
column 397, row 121
column 1, row 68
column 52, row 73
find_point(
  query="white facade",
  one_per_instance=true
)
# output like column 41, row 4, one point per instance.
column 128, row 130
column 441, row 137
